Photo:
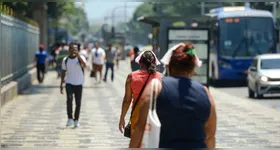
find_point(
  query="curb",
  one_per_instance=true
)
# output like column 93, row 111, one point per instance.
column 14, row 88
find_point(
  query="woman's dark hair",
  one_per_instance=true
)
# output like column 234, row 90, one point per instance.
column 136, row 50
column 72, row 45
column 149, row 60
column 181, row 60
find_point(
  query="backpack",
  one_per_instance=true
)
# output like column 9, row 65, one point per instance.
column 79, row 63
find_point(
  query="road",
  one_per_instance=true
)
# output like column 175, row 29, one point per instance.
column 242, row 92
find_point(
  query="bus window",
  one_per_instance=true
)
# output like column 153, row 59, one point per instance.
column 263, row 38
column 246, row 37
column 232, row 38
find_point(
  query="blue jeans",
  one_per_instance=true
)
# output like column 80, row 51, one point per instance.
column 109, row 66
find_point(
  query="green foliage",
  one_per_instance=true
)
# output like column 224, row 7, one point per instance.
column 138, row 32
column 76, row 20
column 19, row 7
column 179, row 24
column 94, row 28
column 74, row 16
column 263, row 5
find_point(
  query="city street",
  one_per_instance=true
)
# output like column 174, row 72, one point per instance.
column 38, row 118
column 227, row 40
column 269, row 100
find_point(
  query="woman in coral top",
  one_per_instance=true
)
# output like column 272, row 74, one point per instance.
column 134, row 83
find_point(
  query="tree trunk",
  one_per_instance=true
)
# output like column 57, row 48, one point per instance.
column 41, row 16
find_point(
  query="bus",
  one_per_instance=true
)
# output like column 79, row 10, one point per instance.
column 238, row 34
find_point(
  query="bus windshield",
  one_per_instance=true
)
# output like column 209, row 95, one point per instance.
column 246, row 36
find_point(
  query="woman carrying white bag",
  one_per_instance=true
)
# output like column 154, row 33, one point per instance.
column 152, row 129
column 185, row 109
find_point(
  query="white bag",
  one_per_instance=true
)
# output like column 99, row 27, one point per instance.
column 152, row 130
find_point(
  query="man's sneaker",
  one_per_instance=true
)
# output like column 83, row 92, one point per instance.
column 76, row 123
column 69, row 122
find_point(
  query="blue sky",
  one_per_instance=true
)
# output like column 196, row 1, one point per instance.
column 97, row 9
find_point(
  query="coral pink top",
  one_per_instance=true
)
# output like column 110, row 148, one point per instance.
column 139, row 78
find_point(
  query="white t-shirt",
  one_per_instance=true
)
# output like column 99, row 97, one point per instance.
column 74, row 72
column 98, row 57
column 84, row 53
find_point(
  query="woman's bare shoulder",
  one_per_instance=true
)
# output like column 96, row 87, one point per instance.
column 209, row 96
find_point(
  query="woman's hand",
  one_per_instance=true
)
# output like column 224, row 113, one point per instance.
column 126, row 102
column 122, row 125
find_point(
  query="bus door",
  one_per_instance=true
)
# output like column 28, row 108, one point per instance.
column 200, row 38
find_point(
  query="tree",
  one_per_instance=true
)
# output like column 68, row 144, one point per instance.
column 138, row 32
column 76, row 20
column 20, row 7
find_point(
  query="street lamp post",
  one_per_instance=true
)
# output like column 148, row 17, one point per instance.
column 125, row 18
column 120, row 7
column 202, row 8
column 275, row 10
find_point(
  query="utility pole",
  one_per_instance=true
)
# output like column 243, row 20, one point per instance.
column 125, row 32
column 274, row 10
column 202, row 7
column 125, row 18
column 125, row 12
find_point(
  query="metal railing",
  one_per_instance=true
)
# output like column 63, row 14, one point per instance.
column 18, row 43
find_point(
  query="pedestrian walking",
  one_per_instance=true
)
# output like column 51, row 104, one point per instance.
column 185, row 108
column 59, row 59
column 110, row 58
column 134, row 66
column 98, row 57
column 118, row 58
column 135, row 84
column 73, row 69
column 41, row 62
column 83, row 51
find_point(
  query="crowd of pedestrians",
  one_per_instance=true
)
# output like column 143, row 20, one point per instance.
column 184, row 107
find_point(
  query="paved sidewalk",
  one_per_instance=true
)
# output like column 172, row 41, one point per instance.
column 38, row 118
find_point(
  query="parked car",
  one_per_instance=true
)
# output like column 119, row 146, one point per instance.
column 264, row 75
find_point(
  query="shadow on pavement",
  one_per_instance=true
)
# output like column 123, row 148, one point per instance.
column 228, row 84
column 44, row 89
column 267, row 97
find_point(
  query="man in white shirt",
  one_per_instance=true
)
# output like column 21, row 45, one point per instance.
column 83, row 51
column 73, row 68
column 98, row 56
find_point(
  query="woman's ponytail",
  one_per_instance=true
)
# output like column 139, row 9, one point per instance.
column 148, row 59
column 152, row 68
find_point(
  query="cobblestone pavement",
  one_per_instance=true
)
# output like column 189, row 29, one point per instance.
column 38, row 117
